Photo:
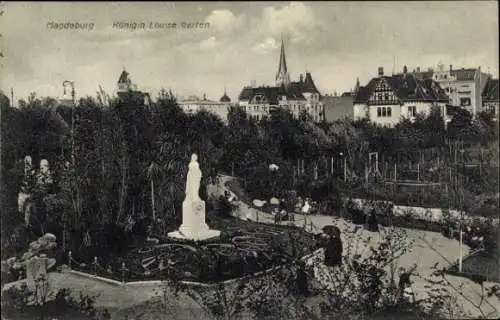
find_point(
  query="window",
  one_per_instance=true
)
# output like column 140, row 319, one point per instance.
column 386, row 96
column 464, row 102
column 412, row 111
column 383, row 112
column 491, row 109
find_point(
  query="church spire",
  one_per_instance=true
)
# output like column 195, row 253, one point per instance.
column 282, row 77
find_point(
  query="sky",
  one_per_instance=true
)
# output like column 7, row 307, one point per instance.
column 336, row 41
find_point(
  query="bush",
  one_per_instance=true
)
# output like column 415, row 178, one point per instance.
column 41, row 303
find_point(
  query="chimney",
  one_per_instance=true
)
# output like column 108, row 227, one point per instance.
column 451, row 67
column 253, row 83
column 380, row 71
column 405, row 69
column 418, row 69
column 301, row 78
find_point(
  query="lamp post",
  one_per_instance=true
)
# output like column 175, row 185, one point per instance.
column 344, row 165
column 65, row 84
column 71, row 84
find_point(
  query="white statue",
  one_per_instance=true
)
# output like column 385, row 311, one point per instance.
column 44, row 176
column 28, row 166
column 193, row 179
column 193, row 225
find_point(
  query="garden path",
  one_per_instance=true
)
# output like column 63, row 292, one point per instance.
column 428, row 249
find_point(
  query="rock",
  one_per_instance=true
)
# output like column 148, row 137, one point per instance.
column 11, row 261
column 153, row 240
column 51, row 246
column 274, row 201
column 27, row 255
column 49, row 237
column 51, row 263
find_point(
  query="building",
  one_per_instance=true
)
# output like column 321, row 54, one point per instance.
column 388, row 99
column 294, row 96
column 220, row 108
column 490, row 97
column 463, row 86
column 339, row 107
column 4, row 100
column 128, row 91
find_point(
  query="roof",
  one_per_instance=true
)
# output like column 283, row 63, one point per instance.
column 225, row 98
column 464, row 74
column 308, row 85
column 294, row 91
column 491, row 91
column 124, row 77
column 460, row 74
column 423, row 75
column 406, row 87
column 282, row 66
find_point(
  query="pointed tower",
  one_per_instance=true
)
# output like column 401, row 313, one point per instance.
column 124, row 83
column 282, row 77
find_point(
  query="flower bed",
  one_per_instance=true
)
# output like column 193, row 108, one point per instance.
column 243, row 248
column 478, row 266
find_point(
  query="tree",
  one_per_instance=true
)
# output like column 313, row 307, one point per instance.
column 153, row 172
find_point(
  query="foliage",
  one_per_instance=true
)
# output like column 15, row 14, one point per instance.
column 40, row 302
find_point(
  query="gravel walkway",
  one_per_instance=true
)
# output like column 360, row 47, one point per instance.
column 428, row 249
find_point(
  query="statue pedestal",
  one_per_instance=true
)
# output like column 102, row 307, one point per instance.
column 193, row 222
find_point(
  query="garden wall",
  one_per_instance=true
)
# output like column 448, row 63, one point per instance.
column 427, row 214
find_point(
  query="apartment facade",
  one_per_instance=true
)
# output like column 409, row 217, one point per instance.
column 464, row 86
column 386, row 100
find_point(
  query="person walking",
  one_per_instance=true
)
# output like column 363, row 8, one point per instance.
column 372, row 221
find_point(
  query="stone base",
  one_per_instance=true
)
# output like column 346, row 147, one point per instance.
column 194, row 234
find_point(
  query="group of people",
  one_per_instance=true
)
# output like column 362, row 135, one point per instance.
column 287, row 212
column 360, row 217
column 281, row 212
column 227, row 203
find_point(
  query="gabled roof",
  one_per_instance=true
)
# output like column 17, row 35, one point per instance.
column 406, row 87
column 491, row 91
column 308, row 85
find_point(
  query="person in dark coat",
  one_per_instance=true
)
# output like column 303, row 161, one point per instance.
column 302, row 282
column 224, row 207
column 372, row 221
column 333, row 252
